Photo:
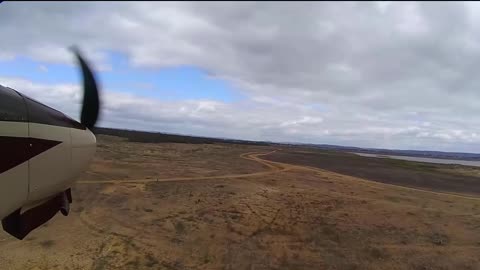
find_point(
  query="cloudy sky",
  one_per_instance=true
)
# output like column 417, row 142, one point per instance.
column 391, row 75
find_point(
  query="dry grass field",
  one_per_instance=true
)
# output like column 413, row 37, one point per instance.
column 223, row 206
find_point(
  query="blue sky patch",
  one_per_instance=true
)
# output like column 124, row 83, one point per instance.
column 172, row 83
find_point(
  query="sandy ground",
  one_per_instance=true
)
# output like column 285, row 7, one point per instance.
column 275, row 216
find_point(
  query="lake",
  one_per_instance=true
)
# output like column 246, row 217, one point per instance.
column 422, row 159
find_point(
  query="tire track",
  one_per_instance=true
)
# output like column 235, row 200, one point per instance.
column 86, row 216
column 274, row 167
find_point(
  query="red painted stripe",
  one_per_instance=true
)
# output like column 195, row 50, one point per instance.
column 16, row 150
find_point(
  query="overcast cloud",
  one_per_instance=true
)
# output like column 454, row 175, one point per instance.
column 394, row 75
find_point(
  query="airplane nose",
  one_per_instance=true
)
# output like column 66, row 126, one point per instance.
column 83, row 138
column 84, row 146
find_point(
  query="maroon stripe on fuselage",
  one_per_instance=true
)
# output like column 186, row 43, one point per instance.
column 16, row 150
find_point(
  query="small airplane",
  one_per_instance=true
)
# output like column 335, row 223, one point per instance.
column 42, row 152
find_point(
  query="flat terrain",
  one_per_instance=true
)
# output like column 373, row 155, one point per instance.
column 224, row 206
column 429, row 176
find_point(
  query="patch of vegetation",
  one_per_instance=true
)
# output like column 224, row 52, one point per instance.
column 173, row 265
column 150, row 261
column 377, row 253
column 439, row 239
column 206, row 257
column 43, row 264
column 190, row 218
column 331, row 233
column 323, row 235
column 100, row 263
column 393, row 199
column 47, row 243
column 30, row 238
column 74, row 265
column 135, row 263
column 179, row 227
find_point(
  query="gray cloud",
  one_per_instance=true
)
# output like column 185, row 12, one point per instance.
column 400, row 75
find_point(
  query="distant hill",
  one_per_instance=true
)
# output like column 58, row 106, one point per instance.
column 410, row 153
column 158, row 137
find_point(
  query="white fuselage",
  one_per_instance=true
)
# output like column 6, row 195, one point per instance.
column 48, row 173
column 50, row 157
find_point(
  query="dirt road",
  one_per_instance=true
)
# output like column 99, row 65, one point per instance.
column 274, row 167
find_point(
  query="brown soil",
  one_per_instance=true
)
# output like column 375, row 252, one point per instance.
column 275, row 216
